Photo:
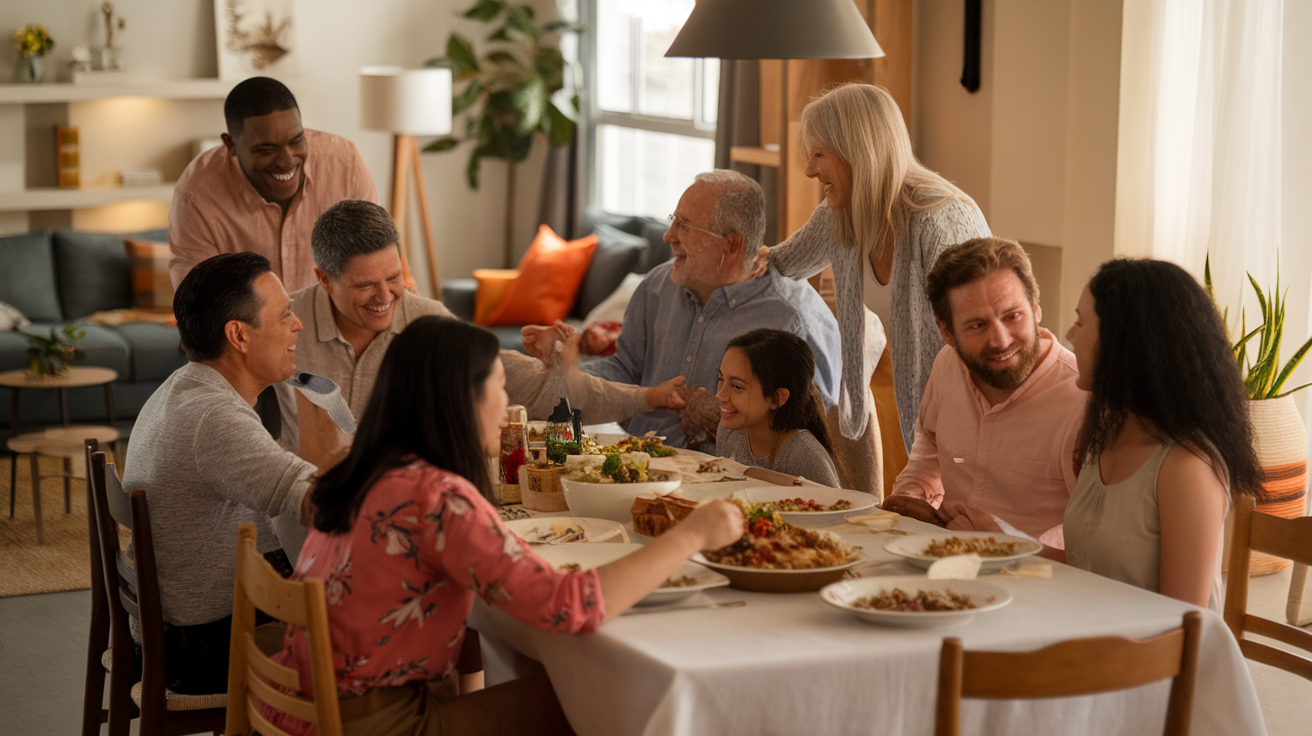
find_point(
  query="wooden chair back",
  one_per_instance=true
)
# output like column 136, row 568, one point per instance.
column 1287, row 538
column 1071, row 668
column 254, row 679
column 145, row 606
column 93, row 693
column 107, row 507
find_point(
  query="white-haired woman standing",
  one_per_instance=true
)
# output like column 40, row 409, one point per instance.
column 883, row 223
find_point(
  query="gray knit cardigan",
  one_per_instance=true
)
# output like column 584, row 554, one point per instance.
column 914, row 331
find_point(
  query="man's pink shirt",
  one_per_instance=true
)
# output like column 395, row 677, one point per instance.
column 215, row 209
column 1013, row 460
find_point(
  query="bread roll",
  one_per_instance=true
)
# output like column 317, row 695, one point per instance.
column 654, row 513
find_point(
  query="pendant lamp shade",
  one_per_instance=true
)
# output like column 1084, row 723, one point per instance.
column 406, row 101
column 775, row 29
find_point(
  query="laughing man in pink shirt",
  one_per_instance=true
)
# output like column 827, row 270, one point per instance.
column 995, row 436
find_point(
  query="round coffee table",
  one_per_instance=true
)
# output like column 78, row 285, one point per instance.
column 60, row 442
column 74, row 378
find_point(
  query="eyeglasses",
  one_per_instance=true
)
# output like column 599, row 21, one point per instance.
column 682, row 226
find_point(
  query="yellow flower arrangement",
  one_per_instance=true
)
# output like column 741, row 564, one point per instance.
column 33, row 40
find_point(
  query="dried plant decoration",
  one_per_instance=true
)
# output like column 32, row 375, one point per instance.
column 263, row 42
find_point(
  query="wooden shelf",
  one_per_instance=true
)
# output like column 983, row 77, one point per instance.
column 754, row 155
column 54, row 198
column 169, row 89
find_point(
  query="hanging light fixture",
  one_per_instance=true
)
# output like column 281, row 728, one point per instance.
column 775, row 29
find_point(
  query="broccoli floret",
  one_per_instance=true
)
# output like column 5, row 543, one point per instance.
column 612, row 466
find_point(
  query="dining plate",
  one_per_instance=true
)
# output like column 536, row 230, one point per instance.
column 543, row 530
column 588, row 556
column 912, row 548
column 778, row 581
column 820, row 494
column 844, row 594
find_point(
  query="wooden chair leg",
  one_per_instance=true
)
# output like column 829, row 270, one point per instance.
column 13, row 481
column 68, row 473
column 36, row 497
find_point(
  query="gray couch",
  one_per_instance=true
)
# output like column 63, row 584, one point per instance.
column 61, row 276
column 624, row 245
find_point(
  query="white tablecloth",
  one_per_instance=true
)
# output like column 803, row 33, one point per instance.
column 790, row 664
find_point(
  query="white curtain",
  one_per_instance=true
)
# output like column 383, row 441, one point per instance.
column 1217, row 141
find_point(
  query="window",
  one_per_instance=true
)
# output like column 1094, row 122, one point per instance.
column 651, row 119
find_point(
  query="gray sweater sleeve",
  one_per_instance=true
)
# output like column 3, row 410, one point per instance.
column 805, row 456
column 271, row 479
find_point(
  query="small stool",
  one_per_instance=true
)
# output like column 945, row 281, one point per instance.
column 61, row 442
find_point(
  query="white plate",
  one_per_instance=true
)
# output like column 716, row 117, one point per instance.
column 593, row 530
column 612, row 501
column 861, row 502
column 781, row 581
column 912, row 548
column 588, row 556
column 842, row 594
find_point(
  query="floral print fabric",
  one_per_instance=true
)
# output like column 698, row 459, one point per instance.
column 400, row 584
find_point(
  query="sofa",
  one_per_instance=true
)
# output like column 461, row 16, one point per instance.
column 625, row 245
column 55, row 277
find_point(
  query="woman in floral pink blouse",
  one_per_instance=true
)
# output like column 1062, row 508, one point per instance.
column 404, row 538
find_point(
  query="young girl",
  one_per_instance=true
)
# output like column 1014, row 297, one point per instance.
column 1166, row 438
column 405, row 538
column 770, row 411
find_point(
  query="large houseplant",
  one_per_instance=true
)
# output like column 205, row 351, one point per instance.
column 1278, row 434
column 509, row 93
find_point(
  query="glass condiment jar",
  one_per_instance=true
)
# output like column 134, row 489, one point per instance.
column 514, row 443
column 560, row 425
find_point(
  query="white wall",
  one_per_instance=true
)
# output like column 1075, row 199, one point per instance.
column 332, row 40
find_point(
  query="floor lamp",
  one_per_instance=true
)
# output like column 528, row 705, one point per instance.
column 408, row 103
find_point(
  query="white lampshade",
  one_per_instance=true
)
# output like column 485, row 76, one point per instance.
column 776, row 29
column 406, row 101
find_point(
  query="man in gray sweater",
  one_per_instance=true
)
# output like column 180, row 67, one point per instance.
column 206, row 462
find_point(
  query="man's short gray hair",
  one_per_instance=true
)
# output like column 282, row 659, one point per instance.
column 350, row 228
column 740, row 208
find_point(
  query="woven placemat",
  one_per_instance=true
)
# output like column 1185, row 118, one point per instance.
column 64, row 561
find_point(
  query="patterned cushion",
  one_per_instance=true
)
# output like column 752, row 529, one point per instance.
column 178, row 701
column 151, row 286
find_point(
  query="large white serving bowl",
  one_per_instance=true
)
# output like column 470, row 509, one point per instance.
column 861, row 503
column 593, row 530
column 588, row 556
column 843, row 594
column 612, row 501
column 912, row 548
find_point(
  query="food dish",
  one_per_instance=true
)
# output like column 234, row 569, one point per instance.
column 588, row 556
column 778, row 581
column 774, row 556
column 546, row 530
column 912, row 548
column 654, row 514
column 843, row 595
column 609, row 500
column 861, row 502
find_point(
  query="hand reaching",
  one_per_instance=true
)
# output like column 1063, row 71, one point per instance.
column 540, row 340
column 669, row 395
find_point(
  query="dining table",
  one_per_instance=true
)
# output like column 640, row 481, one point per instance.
column 792, row 664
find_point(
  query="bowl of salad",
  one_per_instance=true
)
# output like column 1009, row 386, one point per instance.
column 607, row 490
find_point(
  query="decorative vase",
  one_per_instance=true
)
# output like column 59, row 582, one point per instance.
column 28, row 69
column 1281, row 444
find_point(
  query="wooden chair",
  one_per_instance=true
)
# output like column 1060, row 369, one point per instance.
column 1287, row 538
column 254, row 680
column 163, row 712
column 93, row 712
column 1070, row 668
column 107, row 507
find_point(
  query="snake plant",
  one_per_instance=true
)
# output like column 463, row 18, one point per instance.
column 1264, row 377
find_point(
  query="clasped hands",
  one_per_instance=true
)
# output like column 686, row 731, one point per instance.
column 952, row 515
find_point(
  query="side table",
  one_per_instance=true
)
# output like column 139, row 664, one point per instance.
column 61, row 442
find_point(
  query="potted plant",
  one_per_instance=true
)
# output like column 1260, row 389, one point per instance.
column 48, row 357
column 509, row 94
column 1278, row 434
column 33, row 43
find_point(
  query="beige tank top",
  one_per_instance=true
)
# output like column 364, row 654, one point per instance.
column 1114, row 530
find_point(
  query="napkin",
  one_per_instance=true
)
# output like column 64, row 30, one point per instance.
column 956, row 567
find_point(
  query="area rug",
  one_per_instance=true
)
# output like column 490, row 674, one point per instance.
column 64, row 561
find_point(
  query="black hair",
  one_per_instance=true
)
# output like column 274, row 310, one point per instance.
column 1163, row 356
column 783, row 360
column 350, row 228
column 255, row 97
column 218, row 290
column 422, row 407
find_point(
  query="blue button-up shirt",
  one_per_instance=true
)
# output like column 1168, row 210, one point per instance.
column 668, row 333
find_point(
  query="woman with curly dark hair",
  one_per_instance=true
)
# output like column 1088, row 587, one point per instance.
column 1166, row 438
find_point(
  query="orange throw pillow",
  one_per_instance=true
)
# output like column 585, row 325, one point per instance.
column 492, row 286
column 550, row 274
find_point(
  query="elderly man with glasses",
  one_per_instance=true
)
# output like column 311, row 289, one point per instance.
column 686, row 310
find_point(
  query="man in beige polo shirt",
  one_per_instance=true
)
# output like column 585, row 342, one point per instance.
column 264, row 188
column 360, row 303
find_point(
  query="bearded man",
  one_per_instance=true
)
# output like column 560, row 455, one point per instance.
column 995, row 437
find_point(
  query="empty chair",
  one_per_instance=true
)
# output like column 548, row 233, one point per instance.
column 98, row 659
column 1287, row 538
column 1070, row 668
column 255, row 680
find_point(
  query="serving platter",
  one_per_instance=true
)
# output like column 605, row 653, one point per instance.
column 912, row 547
column 588, row 556
column 843, row 594
column 778, row 581
column 611, row 501
column 547, row 530
column 861, row 503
